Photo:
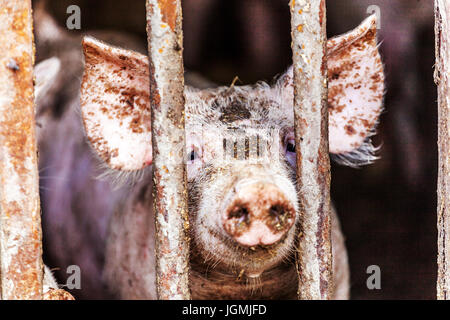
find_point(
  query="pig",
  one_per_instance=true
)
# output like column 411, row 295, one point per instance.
column 243, row 213
column 45, row 73
column 74, row 216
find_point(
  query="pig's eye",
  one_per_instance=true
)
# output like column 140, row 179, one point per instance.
column 290, row 146
column 193, row 155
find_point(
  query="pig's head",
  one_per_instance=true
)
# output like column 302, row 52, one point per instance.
column 240, row 142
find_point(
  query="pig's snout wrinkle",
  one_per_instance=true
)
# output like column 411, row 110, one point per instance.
column 259, row 214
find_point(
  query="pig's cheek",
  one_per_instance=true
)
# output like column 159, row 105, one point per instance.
column 204, row 235
column 208, row 214
column 291, row 159
column 193, row 169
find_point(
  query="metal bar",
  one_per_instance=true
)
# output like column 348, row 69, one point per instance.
column 314, row 260
column 20, row 220
column 441, row 77
column 165, row 48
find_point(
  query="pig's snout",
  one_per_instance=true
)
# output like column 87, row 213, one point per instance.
column 259, row 214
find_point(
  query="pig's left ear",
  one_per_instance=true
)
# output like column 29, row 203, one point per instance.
column 355, row 91
column 115, row 105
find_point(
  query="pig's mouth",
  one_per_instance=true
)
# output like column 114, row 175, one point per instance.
column 247, row 250
column 264, row 230
column 230, row 256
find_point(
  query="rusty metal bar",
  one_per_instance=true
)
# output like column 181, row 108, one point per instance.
column 20, row 221
column 314, row 260
column 165, row 49
column 442, row 79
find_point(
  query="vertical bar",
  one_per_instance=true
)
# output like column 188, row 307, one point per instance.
column 20, row 221
column 165, row 48
column 314, row 260
column 441, row 77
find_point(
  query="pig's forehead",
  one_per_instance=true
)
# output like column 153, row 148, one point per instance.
column 257, row 105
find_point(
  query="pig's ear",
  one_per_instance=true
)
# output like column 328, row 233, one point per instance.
column 355, row 92
column 45, row 74
column 355, row 88
column 115, row 105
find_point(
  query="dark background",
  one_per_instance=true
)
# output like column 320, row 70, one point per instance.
column 388, row 209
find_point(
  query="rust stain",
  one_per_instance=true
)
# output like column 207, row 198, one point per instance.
column 19, row 25
column 292, row 4
column 167, row 114
column 324, row 66
column 322, row 11
column 315, row 204
column 169, row 12
column 18, row 133
column 160, row 193
column 17, row 127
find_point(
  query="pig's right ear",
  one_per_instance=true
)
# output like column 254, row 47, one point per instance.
column 115, row 105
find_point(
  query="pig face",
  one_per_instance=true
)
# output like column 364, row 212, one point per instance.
column 241, row 173
column 240, row 142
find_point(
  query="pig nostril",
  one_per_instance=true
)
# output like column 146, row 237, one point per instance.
column 237, row 220
column 240, row 215
column 279, row 216
column 276, row 210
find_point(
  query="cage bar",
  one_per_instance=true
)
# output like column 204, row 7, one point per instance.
column 441, row 78
column 20, row 221
column 165, row 49
column 314, row 257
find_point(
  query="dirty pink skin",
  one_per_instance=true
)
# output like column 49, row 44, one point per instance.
column 243, row 212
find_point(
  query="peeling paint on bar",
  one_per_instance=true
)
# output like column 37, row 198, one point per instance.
column 20, row 221
column 314, row 260
column 442, row 79
column 165, row 47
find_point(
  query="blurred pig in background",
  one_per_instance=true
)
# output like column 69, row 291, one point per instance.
column 67, row 166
